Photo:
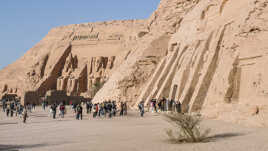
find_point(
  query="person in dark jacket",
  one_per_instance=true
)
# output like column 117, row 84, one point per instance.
column 178, row 107
column 62, row 110
column 4, row 105
column 121, row 109
column 12, row 108
column 79, row 112
column 7, row 108
column 141, row 108
column 114, row 108
column 88, row 107
column 25, row 115
column 54, row 110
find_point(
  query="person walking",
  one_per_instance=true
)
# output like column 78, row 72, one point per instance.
column 114, row 108
column 121, row 109
column 21, row 108
column 12, row 108
column 25, row 115
column 44, row 105
column 141, row 108
column 87, row 107
column 7, row 109
column 76, row 113
column 125, row 108
column 74, row 106
column 62, row 110
column 4, row 105
column 79, row 112
column 172, row 105
column 90, row 106
column 29, row 107
column 17, row 108
column 109, row 109
column 95, row 110
column 152, row 105
column 178, row 107
column 155, row 108
column 101, row 108
column 54, row 110
column 33, row 106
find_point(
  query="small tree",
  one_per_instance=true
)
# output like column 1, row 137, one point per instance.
column 187, row 129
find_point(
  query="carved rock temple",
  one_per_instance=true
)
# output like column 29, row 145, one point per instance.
column 209, row 55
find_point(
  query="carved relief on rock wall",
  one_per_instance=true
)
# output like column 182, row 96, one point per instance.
column 70, row 65
column 72, row 86
column 96, row 70
column 62, row 83
column 37, row 71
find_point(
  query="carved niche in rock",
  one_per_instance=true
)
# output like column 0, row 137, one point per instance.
column 72, row 86
column 37, row 71
column 98, row 69
column 110, row 63
column 62, row 83
column 70, row 65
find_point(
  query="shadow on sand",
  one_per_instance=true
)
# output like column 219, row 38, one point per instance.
column 17, row 147
column 38, row 115
column 31, row 146
column 51, row 121
column 9, row 123
column 223, row 136
column 209, row 139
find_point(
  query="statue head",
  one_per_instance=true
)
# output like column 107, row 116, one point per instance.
column 98, row 63
column 110, row 62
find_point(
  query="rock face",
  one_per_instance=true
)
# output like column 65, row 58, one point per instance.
column 71, row 58
column 75, row 81
column 209, row 55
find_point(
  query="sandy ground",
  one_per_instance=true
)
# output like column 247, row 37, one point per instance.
column 130, row 133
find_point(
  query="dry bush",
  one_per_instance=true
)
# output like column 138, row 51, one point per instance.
column 187, row 129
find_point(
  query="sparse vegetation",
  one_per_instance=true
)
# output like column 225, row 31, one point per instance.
column 187, row 129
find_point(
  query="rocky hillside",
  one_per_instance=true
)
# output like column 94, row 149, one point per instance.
column 215, row 64
column 209, row 55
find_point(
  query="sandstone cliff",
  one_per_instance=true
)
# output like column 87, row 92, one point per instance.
column 215, row 63
column 209, row 55
column 70, row 58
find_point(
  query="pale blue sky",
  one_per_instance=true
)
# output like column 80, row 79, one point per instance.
column 23, row 23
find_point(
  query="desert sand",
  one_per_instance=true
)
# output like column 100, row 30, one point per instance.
column 131, row 133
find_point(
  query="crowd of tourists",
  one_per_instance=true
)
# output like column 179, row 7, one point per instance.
column 107, row 109
column 13, row 107
column 163, row 105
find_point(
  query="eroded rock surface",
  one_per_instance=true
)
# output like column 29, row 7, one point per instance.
column 209, row 55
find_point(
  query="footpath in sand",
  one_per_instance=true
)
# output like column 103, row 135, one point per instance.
column 130, row 133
